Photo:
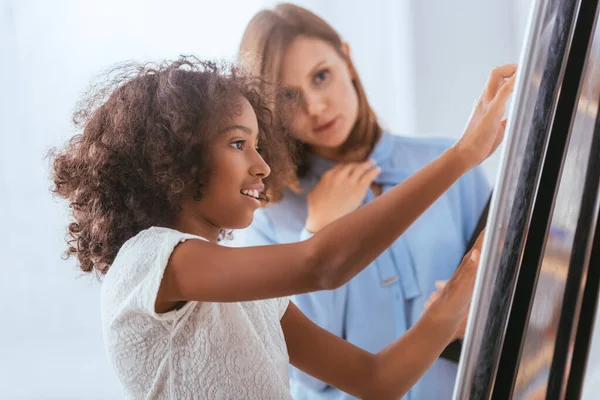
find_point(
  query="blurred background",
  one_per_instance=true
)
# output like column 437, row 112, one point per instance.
column 423, row 63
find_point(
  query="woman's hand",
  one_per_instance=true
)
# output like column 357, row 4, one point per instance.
column 340, row 191
column 485, row 129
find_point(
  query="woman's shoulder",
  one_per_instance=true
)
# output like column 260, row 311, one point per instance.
column 414, row 152
column 430, row 144
column 411, row 153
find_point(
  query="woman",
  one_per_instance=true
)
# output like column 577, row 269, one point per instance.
column 339, row 138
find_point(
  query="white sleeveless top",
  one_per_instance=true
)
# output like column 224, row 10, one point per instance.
column 201, row 351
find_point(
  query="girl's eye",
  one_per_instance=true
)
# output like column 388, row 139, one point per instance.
column 321, row 76
column 238, row 144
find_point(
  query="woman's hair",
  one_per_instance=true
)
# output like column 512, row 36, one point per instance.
column 263, row 47
column 145, row 145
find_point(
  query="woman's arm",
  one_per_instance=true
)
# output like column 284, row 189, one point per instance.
column 202, row 271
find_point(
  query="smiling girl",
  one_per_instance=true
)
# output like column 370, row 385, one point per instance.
column 177, row 154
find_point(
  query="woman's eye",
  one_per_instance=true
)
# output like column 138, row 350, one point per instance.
column 238, row 144
column 321, row 76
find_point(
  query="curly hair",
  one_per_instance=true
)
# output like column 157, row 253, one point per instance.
column 144, row 143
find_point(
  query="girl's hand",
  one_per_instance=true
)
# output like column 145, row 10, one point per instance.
column 452, row 301
column 460, row 332
column 485, row 129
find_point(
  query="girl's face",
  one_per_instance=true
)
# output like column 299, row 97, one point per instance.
column 230, row 196
column 316, row 74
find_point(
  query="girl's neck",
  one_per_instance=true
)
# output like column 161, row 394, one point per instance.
column 196, row 225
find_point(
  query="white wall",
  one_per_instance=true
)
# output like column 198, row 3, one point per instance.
column 50, row 339
column 457, row 46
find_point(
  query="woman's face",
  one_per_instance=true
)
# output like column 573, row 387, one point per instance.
column 320, row 78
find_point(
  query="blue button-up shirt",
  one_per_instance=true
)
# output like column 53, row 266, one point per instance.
column 387, row 298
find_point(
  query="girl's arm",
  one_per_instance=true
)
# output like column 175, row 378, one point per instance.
column 390, row 373
column 201, row 271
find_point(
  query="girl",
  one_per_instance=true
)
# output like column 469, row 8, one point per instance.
column 178, row 154
column 338, row 136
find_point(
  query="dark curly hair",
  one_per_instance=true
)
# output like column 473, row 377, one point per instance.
column 146, row 132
